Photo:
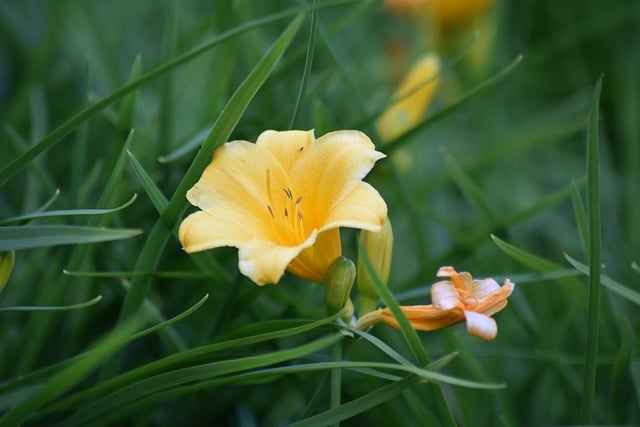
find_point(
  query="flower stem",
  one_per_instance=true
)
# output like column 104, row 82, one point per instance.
column 336, row 378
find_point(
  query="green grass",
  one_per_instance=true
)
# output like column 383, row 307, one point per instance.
column 526, row 166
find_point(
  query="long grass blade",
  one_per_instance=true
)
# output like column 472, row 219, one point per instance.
column 69, row 212
column 408, row 332
column 308, row 62
column 612, row 285
column 53, row 308
column 594, row 256
column 56, row 135
column 34, row 236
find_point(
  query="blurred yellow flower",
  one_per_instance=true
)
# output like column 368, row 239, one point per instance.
column 445, row 14
column 460, row 299
column 7, row 259
column 451, row 15
column 282, row 200
column 413, row 97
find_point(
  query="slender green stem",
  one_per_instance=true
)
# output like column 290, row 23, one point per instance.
column 307, row 66
column 336, row 377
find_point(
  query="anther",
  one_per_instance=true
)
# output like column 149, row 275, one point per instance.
column 300, row 215
column 271, row 211
column 298, row 200
column 288, row 192
column 286, row 213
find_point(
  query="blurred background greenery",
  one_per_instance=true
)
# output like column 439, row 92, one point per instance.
column 501, row 150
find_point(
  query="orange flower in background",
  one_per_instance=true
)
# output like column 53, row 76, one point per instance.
column 404, row 6
column 460, row 299
column 282, row 200
column 455, row 14
column 446, row 14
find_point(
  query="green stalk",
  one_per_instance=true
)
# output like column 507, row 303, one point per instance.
column 594, row 254
column 336, row 378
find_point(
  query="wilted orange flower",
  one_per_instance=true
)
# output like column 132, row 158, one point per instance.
column 282, row 200
column 460, row 299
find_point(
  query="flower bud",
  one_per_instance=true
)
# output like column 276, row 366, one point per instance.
column 7, row 259
column 338, row 284
column 379, row 249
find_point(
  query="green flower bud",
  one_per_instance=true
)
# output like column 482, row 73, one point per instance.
column 338, row 283
column 7, row 259
column 379, row 249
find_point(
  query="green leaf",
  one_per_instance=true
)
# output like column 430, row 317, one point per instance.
column 69, row 212
column 222, row 128
column 311, row 46
column 53, row 308
column 542, row 265
column 128, row 103
column 57, row 134
column 407, row 330
column 469, row 188
column 594, row 256
column 186, row 147
column 611, row 284
column 70, row 376
column 580, row 214
column 56, row 367
column 526, row 258
column 359, row 405
column 33, row 236
column 100, row 408
column 402, row 139
column 158, row 199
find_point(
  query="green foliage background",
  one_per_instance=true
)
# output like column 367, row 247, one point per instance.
column 105, row 320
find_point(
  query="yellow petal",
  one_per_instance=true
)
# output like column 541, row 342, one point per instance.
column 332, row 168
column 312, row 263
column 363, row 208
column 237, row 183
column 286, row 146
column 481, row 325
column 265, row 262
column 202, row 230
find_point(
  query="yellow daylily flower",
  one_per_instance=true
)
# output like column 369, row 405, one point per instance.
column 460, row 299
column 282, row 200
column 413, row 96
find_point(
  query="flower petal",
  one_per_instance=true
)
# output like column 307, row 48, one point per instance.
column 203, row 230
column 425, row 317
column 332, row 168
column 481, row 325
column 494, row 302
column 484, row 288
column 286, row 146
column 237, row 182
column 444, row 296
column 363, row 208
column 314, row 261
column 264, row 261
